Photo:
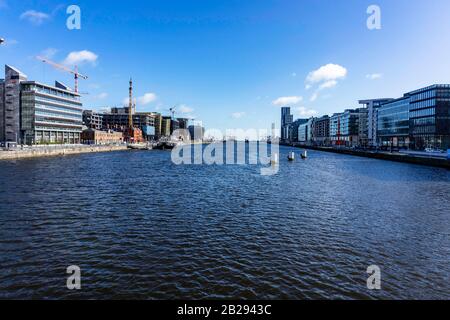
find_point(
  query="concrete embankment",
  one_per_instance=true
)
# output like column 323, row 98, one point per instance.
column 397, row 157
column 52, row 151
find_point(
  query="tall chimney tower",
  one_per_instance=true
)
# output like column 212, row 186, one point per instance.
column 130, row 106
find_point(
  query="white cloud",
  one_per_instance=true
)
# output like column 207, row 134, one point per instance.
column 305, row 112
column 314, row 96
column 102, row 96
column 328, row 85
column 326, row 77
column 81, row 57
column 374, row 76
column 326, row 73
column 49, row 53
column 294, row 74
column 284, row 101
column 184, row 109
column 35, row 17
column 237, row 115
column 146, row 99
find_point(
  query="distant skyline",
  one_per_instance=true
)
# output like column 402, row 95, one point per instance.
column 233, row 64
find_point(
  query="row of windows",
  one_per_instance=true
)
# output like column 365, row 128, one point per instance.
column 423, row 95
column 443, row 93
column 423, row 113
column 59, row 122
column 423, row 121
column 59, row 110
column 50, row 91
column 50, row 128
column 423, row 104
column 58, row 102
column 40, row 113
column 424, row 130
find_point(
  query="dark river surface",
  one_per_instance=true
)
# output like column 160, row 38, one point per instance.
column 140, row 227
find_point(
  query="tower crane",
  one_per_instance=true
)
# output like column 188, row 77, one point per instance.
column 172, row 112
column 75, row 72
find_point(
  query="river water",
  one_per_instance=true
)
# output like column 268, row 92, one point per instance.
column 140, row 227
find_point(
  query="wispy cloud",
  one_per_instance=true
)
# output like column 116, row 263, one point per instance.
column 238, row 115
column 284, row 101
column 325, row 77
column 184, row 109
column 49, row 53
column 374, row 76
column 305, row 112
column 35, row 17
column 101, row 96
column 143, row 100
column 3, row 4
column 146, row 99
column 81, row 57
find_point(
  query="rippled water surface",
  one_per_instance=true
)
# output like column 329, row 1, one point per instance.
column 142, row 228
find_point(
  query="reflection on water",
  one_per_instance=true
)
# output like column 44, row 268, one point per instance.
column 140, row 227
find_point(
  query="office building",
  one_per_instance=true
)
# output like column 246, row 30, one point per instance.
column 93, row 120
column 35, row 113
column 429, row 117
column 393, row 123
column 369, row 122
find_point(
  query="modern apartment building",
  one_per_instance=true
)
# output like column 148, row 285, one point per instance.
column 321, row 131
column 344, row 128
column 35, row 113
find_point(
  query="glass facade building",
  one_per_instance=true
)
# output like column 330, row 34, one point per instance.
column 344, row 128
column 393, row 123
column 34, row 113
column 50, row 115
column 430, row 117
column 418, row 120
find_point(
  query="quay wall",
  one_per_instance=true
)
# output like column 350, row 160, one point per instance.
column 56, row 151
column 397, row 157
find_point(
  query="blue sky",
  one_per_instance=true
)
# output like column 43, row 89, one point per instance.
column 233, row 63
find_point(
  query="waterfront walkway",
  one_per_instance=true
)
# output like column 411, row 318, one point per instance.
column 420, row 158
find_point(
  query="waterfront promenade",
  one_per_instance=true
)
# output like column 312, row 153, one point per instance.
column 56, row 150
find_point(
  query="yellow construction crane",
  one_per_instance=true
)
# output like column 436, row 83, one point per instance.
column 75, row 72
